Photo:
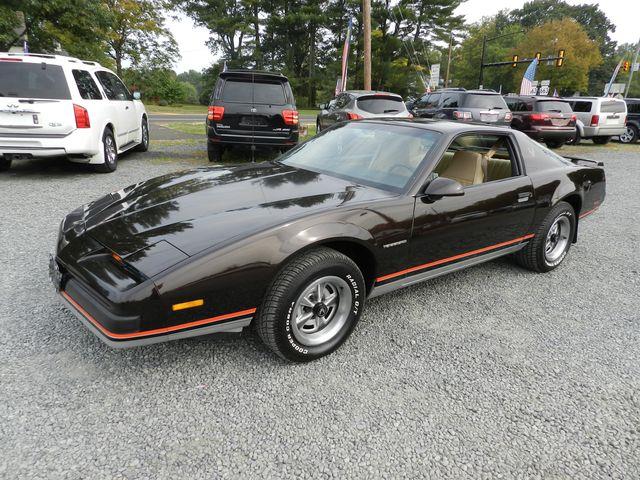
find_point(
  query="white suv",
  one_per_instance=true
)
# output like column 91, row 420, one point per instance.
column 598, row 118
column 52, row 105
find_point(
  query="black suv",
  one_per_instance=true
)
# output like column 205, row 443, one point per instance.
column 250, row 107
column 480, row 106
column 633, row 121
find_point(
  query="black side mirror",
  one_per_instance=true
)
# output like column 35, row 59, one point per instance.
column 443, row 187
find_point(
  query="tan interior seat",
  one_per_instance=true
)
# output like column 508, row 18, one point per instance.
column 465, row 167
column 499, row 169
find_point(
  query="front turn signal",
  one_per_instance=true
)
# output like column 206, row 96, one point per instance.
column 183, row 306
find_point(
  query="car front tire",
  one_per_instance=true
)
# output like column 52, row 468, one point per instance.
column 631, row 135
column 143, row 146
column 110, row 153
column 575, row 140
column 312, row 305
column 551, row 243
column 318, row 126
column 214, row 152
column 601, row 140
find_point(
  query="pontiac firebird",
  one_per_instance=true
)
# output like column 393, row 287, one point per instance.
column 296, row 246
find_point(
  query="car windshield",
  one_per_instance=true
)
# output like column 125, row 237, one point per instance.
column 381, row 104
column 375, row 154
column 488, row 101
column 33, row 80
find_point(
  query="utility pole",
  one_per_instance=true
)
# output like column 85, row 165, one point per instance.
column 635, row 60
column 446, row 78
column 484, row 47
column 366, row 14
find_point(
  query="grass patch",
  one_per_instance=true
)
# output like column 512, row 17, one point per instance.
column 309, row 112
column 178, row 142
column 192, row 128
column 176, row 109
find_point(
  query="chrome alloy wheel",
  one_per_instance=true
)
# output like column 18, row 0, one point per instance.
column 628, row 135
column 110, row 152
column 321, row 310
column 557, row 239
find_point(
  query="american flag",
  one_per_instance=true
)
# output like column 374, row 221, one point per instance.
column 527, row 84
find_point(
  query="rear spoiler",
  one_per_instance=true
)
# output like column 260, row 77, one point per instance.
column 584, row 161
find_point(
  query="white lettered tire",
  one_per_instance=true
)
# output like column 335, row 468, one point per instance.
column 312, row 305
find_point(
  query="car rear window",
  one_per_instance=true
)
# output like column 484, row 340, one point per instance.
column 612, row 107
column 33, row 80
column 381, row 104
column 269, row 93
column 633, row 107
column 479, row 100
column 244, row 91
column 553, row 106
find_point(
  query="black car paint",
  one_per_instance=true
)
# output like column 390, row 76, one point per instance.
column 228, row 230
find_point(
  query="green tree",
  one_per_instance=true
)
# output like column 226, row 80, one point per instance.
column 581, row 54
column 590, row 17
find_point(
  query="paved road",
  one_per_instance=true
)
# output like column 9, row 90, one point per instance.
column 492, row 372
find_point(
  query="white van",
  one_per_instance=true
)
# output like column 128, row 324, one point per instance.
column 598, row 118
column 52, row 105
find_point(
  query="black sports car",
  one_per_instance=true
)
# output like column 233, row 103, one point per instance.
column 297, row 245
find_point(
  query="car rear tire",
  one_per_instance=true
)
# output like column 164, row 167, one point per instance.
column 631, row 135
column 551, row 243
column 214, row 152
column 5, row 164
column 143, row 146
column 110, row 153
column 575, row 140
column 601, row 140
column 312, row 305
column 554, row 144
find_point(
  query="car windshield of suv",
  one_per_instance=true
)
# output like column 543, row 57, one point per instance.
column 553, row 106
column 33, row 80
column 479, row 100
column 381, row 104
column 384, row 156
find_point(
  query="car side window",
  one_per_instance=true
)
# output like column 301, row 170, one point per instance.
column 342, row 101
column 433, row 100
column 86, row 86
column 581, row 106
column 449, row 100
column 114, row 89
column 422, row 101
column 472, row 159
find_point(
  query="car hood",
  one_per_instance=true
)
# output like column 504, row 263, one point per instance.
column 197, row 209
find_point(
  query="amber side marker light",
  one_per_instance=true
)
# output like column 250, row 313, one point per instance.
column 185, row 305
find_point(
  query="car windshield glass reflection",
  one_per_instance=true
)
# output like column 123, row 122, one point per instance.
column 377, row 154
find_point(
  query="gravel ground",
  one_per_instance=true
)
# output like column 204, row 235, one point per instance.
column 493, row 372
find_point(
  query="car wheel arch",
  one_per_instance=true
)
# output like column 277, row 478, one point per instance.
column 575, row 200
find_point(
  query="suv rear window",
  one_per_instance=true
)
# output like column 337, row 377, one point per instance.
column 479, row 100
column 612, row 107
column 33, row 80
column 553, row 106
column 244, row 91
column 380, row 104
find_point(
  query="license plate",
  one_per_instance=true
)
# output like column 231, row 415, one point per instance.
column 253, row 122
column 55, row 275
column 488, row 117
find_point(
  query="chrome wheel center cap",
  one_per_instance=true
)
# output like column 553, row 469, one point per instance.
column 320, row 310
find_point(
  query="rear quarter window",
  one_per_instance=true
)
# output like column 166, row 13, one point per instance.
column 380, row 105
column 86, row 86
column 33, row 80
column 582, row 107
column 613, row 107
column 478, row 100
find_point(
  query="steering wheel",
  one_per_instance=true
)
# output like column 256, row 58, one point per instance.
column 399, row 165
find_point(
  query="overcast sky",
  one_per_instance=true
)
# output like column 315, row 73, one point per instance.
column 625, row 14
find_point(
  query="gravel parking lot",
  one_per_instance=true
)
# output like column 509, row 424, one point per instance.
column 492, row 372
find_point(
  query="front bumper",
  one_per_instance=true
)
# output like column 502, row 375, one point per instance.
column 123, row 331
